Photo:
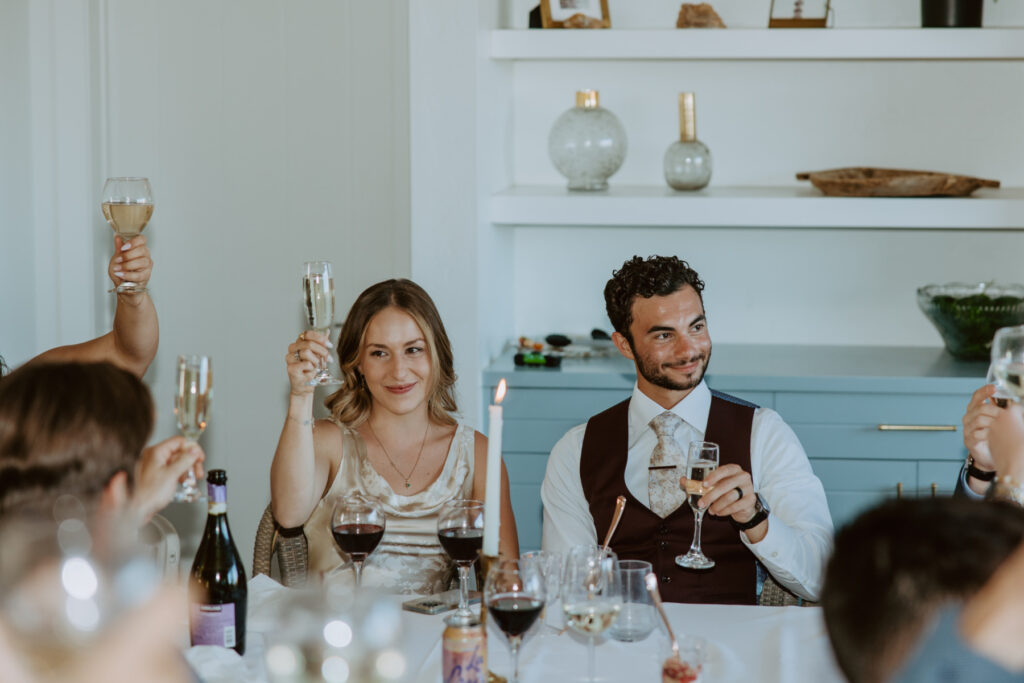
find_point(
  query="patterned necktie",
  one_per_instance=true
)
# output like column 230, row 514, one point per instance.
column 663, row 484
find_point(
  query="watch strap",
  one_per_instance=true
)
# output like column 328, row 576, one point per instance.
column 758, row 517
column 977, row 473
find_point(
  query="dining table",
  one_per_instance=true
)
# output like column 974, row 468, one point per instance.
column 742, row 643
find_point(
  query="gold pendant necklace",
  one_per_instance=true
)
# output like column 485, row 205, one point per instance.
column 388, row 455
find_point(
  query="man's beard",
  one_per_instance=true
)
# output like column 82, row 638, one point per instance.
column 654, row 373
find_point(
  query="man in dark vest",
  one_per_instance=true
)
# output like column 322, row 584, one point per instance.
column 766, row 510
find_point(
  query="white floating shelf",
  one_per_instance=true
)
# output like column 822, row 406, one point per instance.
column 724, row 44
column 761, row 207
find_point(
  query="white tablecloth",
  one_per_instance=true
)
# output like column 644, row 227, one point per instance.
column 763, row 644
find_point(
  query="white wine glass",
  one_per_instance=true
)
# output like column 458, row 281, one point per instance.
column 701, row 460
column 591, row 595
column 192, row 397
column 318, row 295
column 514, row 595
column 127, row 205
column 1007, row 368
column 460, row 530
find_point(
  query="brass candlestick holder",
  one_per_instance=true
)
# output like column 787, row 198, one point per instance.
column 486, row 562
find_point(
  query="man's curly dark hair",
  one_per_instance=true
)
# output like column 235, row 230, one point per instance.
column 655, row 276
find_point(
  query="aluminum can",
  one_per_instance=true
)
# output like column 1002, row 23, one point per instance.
column 463, row 650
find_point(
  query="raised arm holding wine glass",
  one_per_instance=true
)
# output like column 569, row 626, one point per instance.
column 393, row 438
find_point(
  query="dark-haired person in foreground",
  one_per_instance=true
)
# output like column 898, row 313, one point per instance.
column 81, row 429
column 132, row 342
column 982, row 642
column 895, row 567
column 766, row 510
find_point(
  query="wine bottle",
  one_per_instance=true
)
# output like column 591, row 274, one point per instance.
column 217, row 589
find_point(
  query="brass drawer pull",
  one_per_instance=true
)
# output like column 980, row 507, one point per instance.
column 917, row 428
column 899, row 490
column 935, row 490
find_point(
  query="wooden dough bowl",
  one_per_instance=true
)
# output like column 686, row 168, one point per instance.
column 891, row 182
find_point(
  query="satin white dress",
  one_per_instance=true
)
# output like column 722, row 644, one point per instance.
column 410, row 558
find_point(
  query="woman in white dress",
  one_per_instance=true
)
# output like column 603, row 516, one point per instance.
column 392, row 436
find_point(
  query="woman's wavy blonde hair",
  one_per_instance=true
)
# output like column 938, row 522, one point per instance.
column 352, row 403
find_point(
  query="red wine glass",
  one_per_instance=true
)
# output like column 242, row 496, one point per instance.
column 358, row 527
column 460, row 529
column 514, row 595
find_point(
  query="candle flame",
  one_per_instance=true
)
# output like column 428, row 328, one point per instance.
column 500, row 393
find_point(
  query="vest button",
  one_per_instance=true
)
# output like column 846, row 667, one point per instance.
column 665, row 578
column 663, row 529
column 663, row 545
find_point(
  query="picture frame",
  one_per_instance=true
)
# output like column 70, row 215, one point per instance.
column 799, row 14
column 555, row 13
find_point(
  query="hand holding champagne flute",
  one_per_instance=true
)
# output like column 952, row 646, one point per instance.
column 194, row 391
column 701, row 460
column 1007, row 368
column 127, row 205
column 318, row 295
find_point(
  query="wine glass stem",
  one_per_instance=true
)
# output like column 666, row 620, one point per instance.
column 463, row 588
column 359, row 572
column 698, row 518
column 591, row 659
column 513, row 645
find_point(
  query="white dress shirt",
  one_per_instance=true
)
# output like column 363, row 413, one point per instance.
column 799, row 536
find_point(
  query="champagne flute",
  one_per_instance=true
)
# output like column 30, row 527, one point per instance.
column 358, row 525
column 192, row 397
column 514, row 595
column 701, row 460
column 591, row 595
column 318, row 294
column 127, row 205
column 460, row 529
column 1007, row 368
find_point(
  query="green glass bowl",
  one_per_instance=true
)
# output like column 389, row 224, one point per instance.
column 968, row 315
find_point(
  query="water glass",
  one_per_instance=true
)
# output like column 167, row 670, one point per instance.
column 550, row 565
column 636, row 618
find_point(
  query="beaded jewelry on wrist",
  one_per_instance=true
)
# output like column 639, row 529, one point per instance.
column 1006, row 488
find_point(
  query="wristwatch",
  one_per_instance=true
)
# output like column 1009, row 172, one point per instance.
column 978, row 473
column 760, row 514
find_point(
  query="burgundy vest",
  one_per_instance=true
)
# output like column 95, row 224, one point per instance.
column 643, row 535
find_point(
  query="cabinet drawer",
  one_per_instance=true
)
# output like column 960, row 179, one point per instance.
column 874, row 476
column 534, row 436
column 867, row 442
column 873, row 409
column 525, row 468
column 573, row 405
column 943, row 473
column 529, row 511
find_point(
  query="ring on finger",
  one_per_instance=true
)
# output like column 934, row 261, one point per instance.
column 739, row 492
column 297, row 357
column 302, row 336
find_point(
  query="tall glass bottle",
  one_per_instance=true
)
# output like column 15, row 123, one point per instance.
column 687, row 161
column 217, row 589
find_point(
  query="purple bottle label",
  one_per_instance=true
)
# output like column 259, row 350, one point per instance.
column 217, row 493
column 213, row 624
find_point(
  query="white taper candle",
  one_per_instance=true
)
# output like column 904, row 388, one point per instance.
column 492, row 492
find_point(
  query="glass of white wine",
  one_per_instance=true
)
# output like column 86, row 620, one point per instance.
column 318, row 295
column 127, row 206
column 591, row 595
column 1007, row 367
column 701, row 460
column 192, row 397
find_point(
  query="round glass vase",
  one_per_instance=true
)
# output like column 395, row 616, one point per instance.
column 688, row 160
column 687, row 165
column 587, row 144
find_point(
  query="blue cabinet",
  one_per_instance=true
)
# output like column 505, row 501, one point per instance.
column 876, row 422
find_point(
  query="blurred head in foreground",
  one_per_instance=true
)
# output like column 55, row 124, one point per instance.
column 897, row 564
column 70, row 428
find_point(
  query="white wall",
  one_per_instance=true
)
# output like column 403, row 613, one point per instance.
column 17, row 303
column 273, row 133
